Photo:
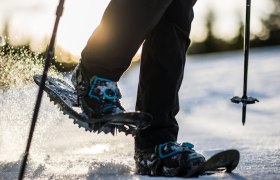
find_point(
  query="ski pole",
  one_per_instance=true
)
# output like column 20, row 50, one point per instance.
column 49, row 56
column 245, row 99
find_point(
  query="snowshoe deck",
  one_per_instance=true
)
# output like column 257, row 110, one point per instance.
column 224, row 161
column 64, row 95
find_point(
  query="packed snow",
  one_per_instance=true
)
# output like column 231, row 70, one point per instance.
column 60, row 150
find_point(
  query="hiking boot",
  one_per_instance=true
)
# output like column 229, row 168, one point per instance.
column 97, row 96
column 169, row 159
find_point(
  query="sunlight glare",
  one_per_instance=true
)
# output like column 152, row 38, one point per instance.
column 32, row 21
column 78, row 23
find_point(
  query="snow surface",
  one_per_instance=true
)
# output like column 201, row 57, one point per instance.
column 60, row 150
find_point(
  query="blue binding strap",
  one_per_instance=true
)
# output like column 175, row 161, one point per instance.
column 177, row 149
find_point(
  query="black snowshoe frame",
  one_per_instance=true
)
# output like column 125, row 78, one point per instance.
column 64, row 95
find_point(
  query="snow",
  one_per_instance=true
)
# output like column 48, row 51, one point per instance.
column 60, row 150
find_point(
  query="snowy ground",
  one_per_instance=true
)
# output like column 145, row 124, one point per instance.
column 61, row 150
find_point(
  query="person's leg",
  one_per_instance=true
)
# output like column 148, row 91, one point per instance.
column 122, row 30
column 162, row 67
column 109, row 52
column 161, row 74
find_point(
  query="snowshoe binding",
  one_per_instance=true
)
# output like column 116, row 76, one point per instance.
column 170, row 159
column 94, row 104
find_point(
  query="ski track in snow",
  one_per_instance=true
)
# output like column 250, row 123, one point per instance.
column 60, row 150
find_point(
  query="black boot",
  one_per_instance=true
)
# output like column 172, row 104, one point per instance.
column 98, row 96
column 169, row 159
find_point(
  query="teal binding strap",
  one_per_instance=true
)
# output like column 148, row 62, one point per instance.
column 172, row 148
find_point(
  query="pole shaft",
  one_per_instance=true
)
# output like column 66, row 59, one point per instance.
column 244, row 114
column 246, row 56
column 50, row 55
column 246, row 46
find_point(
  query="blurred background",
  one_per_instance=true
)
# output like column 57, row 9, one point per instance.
column 60, row 150
column 218, row 26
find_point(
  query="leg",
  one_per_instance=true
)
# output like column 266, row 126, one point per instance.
column 161, row 74
column 109, row 51
column 123, row 28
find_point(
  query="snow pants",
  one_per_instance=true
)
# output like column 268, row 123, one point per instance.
column 164, row 27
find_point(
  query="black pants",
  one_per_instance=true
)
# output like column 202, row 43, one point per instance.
column 165, row 26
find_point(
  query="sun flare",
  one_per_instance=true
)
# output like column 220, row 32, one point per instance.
column 78, row 23
column 32, row 21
